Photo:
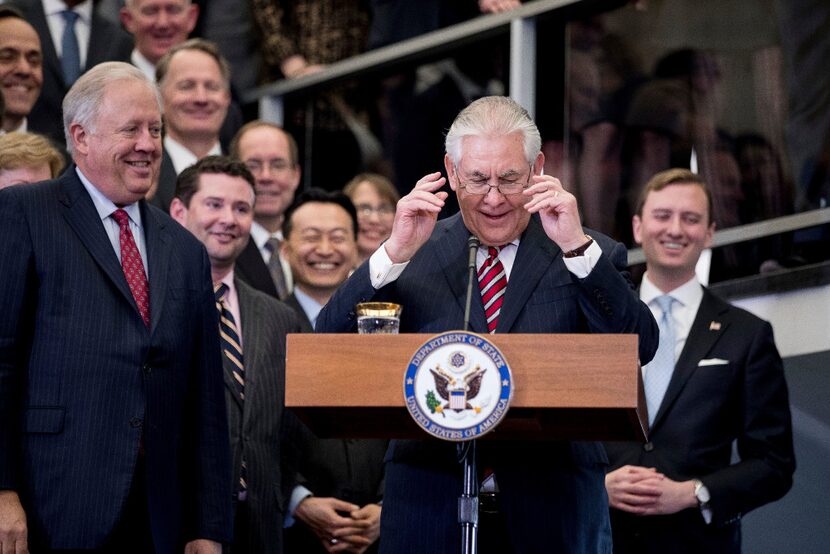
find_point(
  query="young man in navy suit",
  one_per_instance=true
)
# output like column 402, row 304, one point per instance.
column 559, row 279
column 722, row 381
column 113, row 434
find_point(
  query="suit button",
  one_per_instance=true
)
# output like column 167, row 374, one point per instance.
column 648, row 447
column 147, row 368
column 135, row 422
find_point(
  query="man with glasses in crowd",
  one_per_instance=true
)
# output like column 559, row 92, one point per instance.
column 271, row 155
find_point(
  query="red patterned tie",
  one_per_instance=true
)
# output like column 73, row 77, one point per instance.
column 132, row 266
column 492, row 280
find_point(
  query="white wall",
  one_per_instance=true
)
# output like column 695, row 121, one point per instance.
column 800, row 319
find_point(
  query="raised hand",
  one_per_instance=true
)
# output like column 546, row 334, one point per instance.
column 557, row 210
column 415, row 217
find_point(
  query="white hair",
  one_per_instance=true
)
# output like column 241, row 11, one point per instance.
column 493, row 116
column 81, row 103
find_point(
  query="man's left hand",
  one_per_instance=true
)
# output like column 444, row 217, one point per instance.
column 203, row 546
column 557, row 210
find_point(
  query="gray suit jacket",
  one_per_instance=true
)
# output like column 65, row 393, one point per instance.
column 256, row 425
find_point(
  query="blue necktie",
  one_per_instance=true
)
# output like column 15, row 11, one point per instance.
column 659, row 371
column 70, row 52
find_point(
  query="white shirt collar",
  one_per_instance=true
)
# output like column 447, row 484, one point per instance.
column 103, row 205
column 183, row 158
column 84, row 9
column 260, row 235
column 146, row 66
column 688, row 294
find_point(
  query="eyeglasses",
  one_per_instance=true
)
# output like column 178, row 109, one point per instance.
column 505, row 187
column 275, row 166
column 366, row 210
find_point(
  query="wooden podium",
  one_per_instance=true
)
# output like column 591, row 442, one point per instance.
column 576, row 386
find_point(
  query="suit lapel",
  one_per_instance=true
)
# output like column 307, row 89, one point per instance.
column 81, row 215
column 702, row 338
column 305, row 323
column 252, row 315
column 533, row 259
column 451, row 254
column 158, row 257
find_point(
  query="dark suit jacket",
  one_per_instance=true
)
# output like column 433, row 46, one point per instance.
column 107, row 42
column 166, row 188
column 348, row 469
column 728, row 385
column 251, row 268
column 83, row 381
column 256, row 424
column 540, row 483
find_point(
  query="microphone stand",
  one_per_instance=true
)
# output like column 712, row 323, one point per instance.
column 468, row 501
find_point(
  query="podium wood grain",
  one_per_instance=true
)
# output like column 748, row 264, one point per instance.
column 566, row 386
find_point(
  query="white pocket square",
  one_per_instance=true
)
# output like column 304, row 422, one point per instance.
column 712, row 361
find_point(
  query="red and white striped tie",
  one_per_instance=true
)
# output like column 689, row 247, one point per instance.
column 492, row 280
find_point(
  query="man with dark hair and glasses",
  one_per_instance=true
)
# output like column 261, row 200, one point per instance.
column 554, row 278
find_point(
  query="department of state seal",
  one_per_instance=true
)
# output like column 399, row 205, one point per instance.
column 458, row 386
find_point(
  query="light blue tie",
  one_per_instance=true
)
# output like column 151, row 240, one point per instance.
column 658, row 373
column 70, row 52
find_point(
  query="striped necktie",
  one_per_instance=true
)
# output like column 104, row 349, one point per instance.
column 659, row 371
column 231, row 345
column 492, row 280
column 232, row 350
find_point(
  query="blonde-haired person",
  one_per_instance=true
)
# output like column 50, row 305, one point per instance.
column 375, row 198
column 28, row 158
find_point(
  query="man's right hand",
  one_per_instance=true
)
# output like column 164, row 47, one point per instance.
column 13, row 530
column 415, row 218
column 322, row 515
column 634, row 489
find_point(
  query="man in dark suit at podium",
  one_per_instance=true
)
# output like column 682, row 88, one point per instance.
column 719, row 380
column 552, row 278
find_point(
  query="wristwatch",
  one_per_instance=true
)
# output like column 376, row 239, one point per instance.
column 702, row 494
column 580, row 251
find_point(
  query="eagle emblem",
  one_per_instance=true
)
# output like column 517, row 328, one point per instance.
column 457, row 391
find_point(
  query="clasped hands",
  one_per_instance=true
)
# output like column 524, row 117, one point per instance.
column 645, row 491
column 341, row 526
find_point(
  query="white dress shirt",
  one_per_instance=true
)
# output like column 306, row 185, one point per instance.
column 56, row 23
column 105, row 208
column 183, row 158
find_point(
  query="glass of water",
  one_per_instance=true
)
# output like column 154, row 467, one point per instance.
column 378, row 318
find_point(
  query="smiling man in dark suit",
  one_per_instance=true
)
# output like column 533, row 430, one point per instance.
column 215, row 201
column 557, row 279
column 716, row 379
column 114, row 435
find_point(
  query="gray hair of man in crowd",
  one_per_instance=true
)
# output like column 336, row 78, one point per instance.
column 81, row 103
column 493, row 116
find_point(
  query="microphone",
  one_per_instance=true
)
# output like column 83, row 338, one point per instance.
column 472, row 247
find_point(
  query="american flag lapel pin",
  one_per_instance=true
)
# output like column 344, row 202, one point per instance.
column 714, row 326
